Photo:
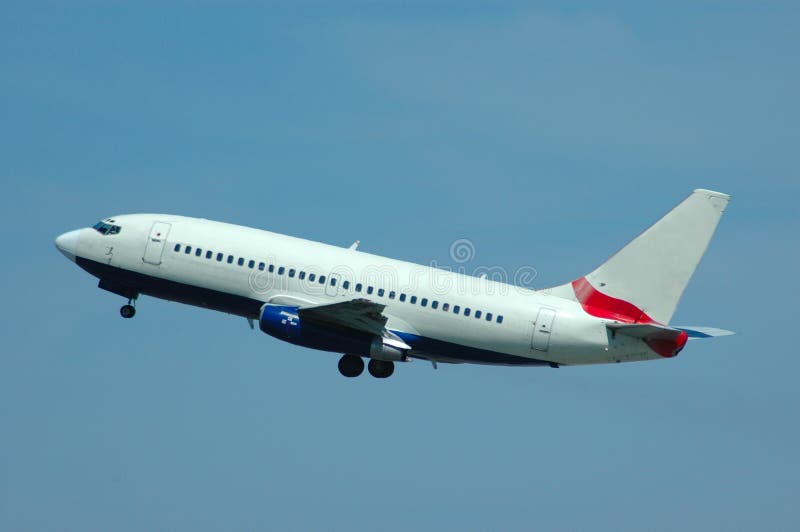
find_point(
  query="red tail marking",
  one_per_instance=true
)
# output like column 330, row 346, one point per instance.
column 601, row 305
column 668, row 348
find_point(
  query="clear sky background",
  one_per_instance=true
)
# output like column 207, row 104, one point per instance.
column 547, row 135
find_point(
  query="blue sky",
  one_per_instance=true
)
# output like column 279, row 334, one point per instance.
column 547, row 135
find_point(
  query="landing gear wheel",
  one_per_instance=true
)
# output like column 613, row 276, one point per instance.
column 380, row 369
column 127, row 311
column 351, row 365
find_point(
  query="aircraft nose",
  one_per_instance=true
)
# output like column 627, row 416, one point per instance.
column 68, row 243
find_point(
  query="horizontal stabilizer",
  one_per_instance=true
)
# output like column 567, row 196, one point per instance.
column 664, row 340
column 645, row 331
column 704, row 332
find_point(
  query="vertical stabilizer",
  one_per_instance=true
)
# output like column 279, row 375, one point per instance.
column 644, row 281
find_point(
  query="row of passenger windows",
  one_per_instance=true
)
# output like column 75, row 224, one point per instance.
column 321, row 279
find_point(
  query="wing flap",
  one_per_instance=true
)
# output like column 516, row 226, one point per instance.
column 359, row 314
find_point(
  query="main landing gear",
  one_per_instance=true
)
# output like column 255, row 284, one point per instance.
column 353, row 366
column 128, row 311
column 380, row 369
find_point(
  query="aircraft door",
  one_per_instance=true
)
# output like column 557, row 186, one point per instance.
column 542, row 327
column 155, row 243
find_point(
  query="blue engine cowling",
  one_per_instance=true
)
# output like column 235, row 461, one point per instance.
column 283, row 323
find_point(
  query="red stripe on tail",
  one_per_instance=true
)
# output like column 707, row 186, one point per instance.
column 668, row 348
column 601, row 305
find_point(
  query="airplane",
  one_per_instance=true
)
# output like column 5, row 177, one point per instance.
column 373, row 308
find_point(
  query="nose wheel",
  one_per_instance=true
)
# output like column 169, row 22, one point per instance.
column 128, row 311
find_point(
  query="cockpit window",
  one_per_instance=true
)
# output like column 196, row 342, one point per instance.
column 106, row 229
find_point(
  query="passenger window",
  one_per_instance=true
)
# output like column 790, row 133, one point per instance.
column 240, row 262
column 413, row 300
column 434, row 304
column 456, row 309
column 177, row 247
column 291, row 272
column 380, row 292
column 333, row 281
column 358, row 287
column 281, row 270
column 251, row 264
column 488, row 316
column 311, row 277
column 219, row 257
column 424, row 302
column 321, row 279
column 209, row 254
column 188, row 250
column 271, row 268
column 402, row 297
column 198, row 252
column 261, row 266
column 478, row 314
column 391, row 294
column 230, row 259
column 346, row 285
column 369, row 289
column 466, row 311
column 301, row 275
column 445, row 306
column 499, row 319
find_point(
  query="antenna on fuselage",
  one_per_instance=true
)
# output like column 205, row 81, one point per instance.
column 355, row 244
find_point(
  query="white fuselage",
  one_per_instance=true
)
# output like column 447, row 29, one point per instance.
column 160, row 253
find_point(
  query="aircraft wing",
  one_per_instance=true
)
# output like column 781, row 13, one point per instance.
column 359, row 314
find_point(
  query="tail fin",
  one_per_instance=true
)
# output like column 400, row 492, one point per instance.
column 644, row 281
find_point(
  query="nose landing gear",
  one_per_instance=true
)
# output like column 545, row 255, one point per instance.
column 128, row 311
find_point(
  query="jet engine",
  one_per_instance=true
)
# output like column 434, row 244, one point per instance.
column 285, row 323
